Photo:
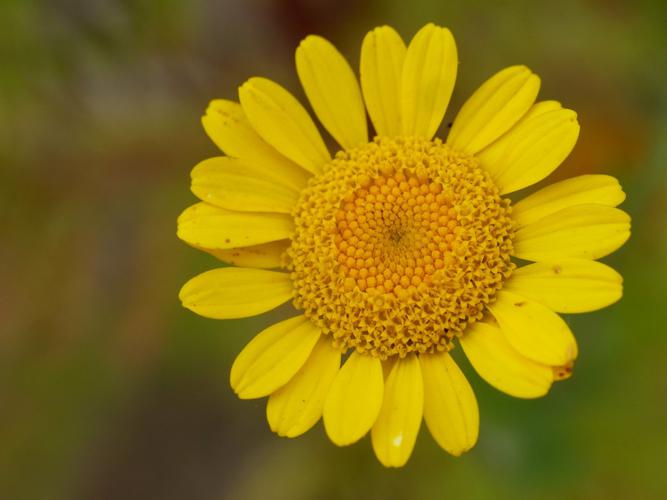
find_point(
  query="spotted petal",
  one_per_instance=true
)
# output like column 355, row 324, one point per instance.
column 568, row 285
column 534, row 330
column 502, row 366
column 227, row 126
column 205, row 226
column 296, row 407
column 264, row 255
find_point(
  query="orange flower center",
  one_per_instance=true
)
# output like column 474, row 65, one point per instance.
column 394, row 232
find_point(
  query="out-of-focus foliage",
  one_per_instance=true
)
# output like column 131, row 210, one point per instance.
column 109, row 389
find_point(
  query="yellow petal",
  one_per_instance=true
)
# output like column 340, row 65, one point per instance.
column 568, row 285
column 531, row 150
column 494, row 108
column 333, row 91
column 354, row 400
column 233, row 292
column 533, row 329
column 297, row 406
column 450, row 407
column 228, row 183
column 581, row 231
column 227, row 126
column 395, row 431
column 502, row 366
column 429, row 73
column 273, row 357
column 203, row 225
column 584, row 189
column 283, row 122
column 381, row 69
column 266, row 255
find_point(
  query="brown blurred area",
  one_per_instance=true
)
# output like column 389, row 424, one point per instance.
column 109, row 389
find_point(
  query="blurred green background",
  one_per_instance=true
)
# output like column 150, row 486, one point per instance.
column 109, row 389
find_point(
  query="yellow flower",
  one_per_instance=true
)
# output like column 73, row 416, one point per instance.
column 396, row 249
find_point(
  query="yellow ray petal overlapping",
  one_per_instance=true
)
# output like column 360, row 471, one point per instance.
column 497, row 362
column 227, row 126
column 494, row 108
column 273, row 357
column 532, row 149
column 582, row 231
column 297, row 406
column 584, row 189
column 281, row 120
column 263, row 256
column 533, row 329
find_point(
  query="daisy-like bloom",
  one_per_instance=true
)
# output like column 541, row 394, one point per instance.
column 398, row 248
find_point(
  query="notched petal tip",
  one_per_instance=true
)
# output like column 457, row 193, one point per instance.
column 380, row 70
column 332, row 90
column 429, row 73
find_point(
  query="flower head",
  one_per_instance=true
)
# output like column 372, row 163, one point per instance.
column 398, row 248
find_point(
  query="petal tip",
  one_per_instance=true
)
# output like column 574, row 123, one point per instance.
column 311, row 39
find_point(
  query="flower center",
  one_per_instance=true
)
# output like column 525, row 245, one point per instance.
column 398, row 247
column 394, row 232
